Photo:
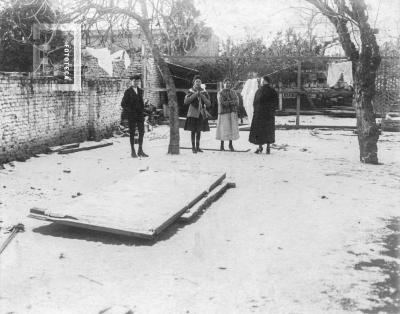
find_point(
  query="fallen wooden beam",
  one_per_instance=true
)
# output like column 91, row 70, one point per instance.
column 56, row 149
column 299, row 127
column 390, row 125
column 13, row 232
column 196, row 210
column 218, row 150
column 197, row 199
column 302, row 113
column 74, row 150
column 190, row 205
column 216, row 183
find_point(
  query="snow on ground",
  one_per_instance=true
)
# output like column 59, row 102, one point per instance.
column 305, row 231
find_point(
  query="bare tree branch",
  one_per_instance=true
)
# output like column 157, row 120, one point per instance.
column 340, row 23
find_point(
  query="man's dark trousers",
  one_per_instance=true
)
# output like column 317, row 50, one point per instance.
column 133, row 123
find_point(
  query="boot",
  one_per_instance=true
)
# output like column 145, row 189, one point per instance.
column 198, row 149
column 194, row 143
column 231, row 146
column 141, row 153
column 268, row 151
column 133, row 152
column 198, row 135
column 259, row 150
column 222, row 146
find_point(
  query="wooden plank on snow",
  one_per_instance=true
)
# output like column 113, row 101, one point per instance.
column 56, row 149
column 211, row 198
column 86, row 225
column 218, row 150
column 192, row 203
column 74, row 150
column 295, row 127
column 142, row 206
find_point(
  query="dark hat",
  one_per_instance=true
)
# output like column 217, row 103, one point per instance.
column 266, row 78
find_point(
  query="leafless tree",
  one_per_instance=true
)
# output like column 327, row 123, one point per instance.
column 358, row 40
column 143, row 13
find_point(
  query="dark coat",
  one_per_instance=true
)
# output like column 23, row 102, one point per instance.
column 262, row 130
column 194, row 106
column 133, row 104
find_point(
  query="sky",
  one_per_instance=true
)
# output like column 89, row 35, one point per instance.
column 263, row 18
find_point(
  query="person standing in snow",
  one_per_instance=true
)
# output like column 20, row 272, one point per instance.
column 227, row 125
column 133, row 107
column 197, row 117
column 262, row 130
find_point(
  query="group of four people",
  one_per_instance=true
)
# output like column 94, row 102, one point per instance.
column 262, row 130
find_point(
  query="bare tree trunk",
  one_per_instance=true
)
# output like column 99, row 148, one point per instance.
column 365, row 75
column 173, row 147
column 367, row 129
column 144, row 23
column 366, row 61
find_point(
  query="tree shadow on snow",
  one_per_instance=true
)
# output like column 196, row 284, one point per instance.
column 388, row 291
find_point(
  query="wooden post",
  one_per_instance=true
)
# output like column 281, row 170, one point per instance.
column 298, row 93
column 280, row 96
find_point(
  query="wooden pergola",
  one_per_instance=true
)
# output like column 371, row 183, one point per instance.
column 388, row 76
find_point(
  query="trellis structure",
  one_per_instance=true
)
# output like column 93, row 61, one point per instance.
column 387, row 97
column 387, row 80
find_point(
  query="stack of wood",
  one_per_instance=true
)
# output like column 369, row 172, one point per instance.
column 121, row 131
column 391, row 123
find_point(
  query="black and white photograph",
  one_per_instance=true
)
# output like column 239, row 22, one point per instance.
column 199, row 156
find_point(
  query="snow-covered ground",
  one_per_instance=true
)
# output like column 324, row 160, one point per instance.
column 305, row 231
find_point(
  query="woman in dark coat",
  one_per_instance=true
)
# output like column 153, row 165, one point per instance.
column 262, row 130
column 197, row 117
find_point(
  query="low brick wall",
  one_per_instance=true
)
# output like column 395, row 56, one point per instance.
column 34, row 116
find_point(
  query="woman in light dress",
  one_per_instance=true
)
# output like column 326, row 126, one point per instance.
column 227, row 125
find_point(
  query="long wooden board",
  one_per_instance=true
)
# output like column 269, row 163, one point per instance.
column 79, row 149
column 218, row 150
column 142, row 206
column 211, row 198
column 309, row 126
column 56, row 149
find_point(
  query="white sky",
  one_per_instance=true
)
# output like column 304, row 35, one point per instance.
column 263, row 18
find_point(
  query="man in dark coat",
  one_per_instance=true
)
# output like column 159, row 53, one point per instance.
column 262, row 130
column 133, row 107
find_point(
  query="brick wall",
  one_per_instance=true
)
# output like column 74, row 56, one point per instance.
column 153, row 81
column 93, row 70
column 151, row 76
column 34, row 116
